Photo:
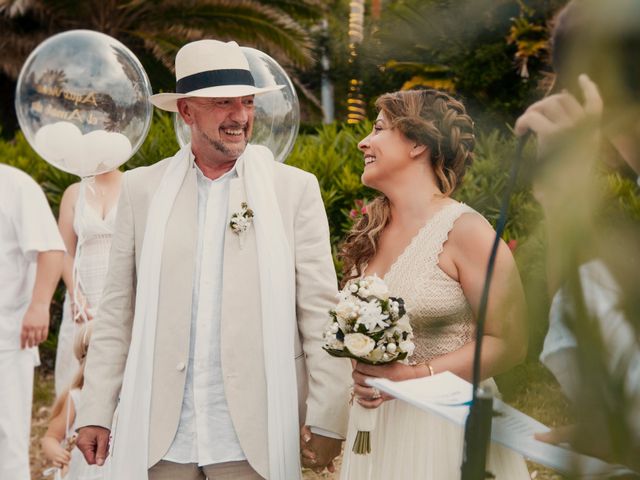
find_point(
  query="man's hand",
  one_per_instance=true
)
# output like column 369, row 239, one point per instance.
column 35, row 325
column 317, row 451
column 93, row 442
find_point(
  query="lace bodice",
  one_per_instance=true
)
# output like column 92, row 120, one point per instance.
column 440, row 315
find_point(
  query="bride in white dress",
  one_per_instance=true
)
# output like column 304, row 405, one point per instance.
column 432, row 251
column 86, row 222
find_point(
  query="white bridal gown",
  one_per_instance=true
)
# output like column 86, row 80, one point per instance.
column 408, row 443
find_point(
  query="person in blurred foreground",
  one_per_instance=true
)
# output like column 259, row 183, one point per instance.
column 588, row 135
column 432, row 251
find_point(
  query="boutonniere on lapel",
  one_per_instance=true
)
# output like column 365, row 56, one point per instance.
column 241, row 221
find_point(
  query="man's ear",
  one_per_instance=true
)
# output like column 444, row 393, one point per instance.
column 418, row 151
column 184, row 110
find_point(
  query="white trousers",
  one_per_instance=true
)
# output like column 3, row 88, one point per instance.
column 16, row 385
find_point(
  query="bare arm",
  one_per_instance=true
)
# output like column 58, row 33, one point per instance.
column 65, row 225
column 68, row 207
column 505, row 333
column 35, row 324
column 51, row 442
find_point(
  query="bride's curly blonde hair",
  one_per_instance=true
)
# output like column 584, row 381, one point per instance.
column 427, row 117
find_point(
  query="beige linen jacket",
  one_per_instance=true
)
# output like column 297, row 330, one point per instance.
column 323, row 381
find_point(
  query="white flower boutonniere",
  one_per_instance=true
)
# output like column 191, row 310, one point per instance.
column 241, row 221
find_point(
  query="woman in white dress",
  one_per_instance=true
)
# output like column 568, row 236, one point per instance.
column 432, row 251
column 86, row 222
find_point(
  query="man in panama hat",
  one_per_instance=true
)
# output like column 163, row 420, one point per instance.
column 210, row 329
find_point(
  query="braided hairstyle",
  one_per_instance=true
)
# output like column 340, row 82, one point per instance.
column 426, row 117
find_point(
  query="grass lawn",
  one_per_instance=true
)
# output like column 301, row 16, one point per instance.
column 528, row 387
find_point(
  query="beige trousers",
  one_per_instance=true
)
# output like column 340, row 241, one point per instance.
column 164, row 470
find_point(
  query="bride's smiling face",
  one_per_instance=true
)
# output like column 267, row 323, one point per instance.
column 386, row 153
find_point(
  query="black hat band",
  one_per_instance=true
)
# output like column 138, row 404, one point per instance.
column 214, row 78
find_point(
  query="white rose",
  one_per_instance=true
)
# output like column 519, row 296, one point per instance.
column 378, row 288
column 358, row 344
column 391, row 348
column 353, row 288
column 407, row 346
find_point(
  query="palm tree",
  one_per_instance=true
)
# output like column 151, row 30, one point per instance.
column 155, row 30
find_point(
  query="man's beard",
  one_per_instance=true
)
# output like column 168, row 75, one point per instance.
column 224, row 149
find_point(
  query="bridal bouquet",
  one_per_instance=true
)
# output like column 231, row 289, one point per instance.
column 369, row 326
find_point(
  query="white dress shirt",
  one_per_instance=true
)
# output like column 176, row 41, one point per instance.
column 205, row 432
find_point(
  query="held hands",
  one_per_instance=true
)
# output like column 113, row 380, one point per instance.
column 317, row 452
column 35, row 325
column 56, row 453
column 93, row 442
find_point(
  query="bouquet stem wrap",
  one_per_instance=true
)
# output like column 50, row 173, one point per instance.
column 365, row 420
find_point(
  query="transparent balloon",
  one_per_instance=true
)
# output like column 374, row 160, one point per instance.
column 277, row 113
column 82, row 101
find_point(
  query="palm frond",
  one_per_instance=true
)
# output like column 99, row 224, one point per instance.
column 246, row 21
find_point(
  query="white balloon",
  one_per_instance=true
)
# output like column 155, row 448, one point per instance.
column 82, row 101
column 56, row 141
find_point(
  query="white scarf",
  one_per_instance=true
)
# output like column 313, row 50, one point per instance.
column 277, row 284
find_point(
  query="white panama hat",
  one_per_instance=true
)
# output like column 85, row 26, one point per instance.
column 210, row 69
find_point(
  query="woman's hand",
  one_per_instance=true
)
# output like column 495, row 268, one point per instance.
column 54, row 452
column 370, row 397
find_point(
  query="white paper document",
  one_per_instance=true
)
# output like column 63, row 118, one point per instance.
column 449, row 396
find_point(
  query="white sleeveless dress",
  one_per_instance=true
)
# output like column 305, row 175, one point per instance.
column 92, row 261
column 408, row 443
